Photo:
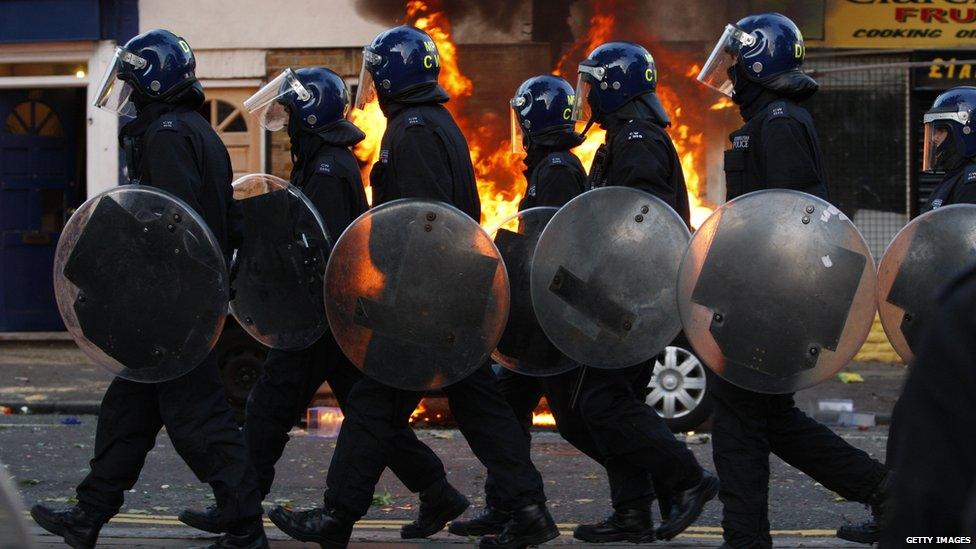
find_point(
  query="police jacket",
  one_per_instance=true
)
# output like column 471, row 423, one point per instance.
column 327, row 172
column 173, row 148
column 424, row 155
column 639, row 154
column 778, row 147
column 553, row 177
column 957, row 187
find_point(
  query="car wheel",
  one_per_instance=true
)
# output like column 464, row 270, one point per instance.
column 241, row 361
column 677, row 389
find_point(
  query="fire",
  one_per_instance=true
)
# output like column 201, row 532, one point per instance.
column 543, row 419
column 497, row 170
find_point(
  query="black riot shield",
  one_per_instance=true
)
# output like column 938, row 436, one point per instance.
column 416, row 294
column 776, row 291
column 524, row 347
column 13, row 531
column 141, row 283
column 925, row 255
column 603, row 277
column 276, row 284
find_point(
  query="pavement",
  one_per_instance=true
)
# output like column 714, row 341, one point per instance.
column 47, row 454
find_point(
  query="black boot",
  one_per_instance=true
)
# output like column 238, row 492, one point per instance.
column 869, row 531
column 491, row 521
column 207, row 520
column 78, row 527
column 439, row 504
column 687, row 505
column 633, row 525
column 530, row 525
column 248, row 536
column 318, row 525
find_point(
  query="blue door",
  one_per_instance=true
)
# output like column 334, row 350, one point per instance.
column 40, row 175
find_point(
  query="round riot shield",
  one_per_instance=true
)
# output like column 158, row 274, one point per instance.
column 141, row 283
column 524, row 347
column 926, row 254
column 603, row 277
column 276, row 276
column 13, row 531
column 416, row 294
column 777, row 291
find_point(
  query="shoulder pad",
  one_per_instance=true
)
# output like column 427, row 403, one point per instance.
column 325, row 165
column 778, row 109
column 413, row 119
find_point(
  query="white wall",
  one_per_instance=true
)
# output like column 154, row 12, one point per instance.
column 260, row 24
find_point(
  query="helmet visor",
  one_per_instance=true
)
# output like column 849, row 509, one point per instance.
column 115, row 95
column 518, row 140
column 268, row 104
column 366, row 91
column 716, row 72
column 936, row 134
column 582, row 110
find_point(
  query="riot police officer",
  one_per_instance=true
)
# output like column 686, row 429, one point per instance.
column 949, row 147
column 169, row 146
column 616, row 89
column 543, row 128
column 423, row 155
column 312, row 104
column 757, row 61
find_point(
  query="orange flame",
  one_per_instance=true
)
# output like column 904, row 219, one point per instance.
column 497, row 170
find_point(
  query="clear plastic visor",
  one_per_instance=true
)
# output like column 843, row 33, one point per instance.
column 267, row 105
column 114, row 95
column 518, row 142
column 936, row 132
column 715, row 72
column 582, row 110
column 366, row 92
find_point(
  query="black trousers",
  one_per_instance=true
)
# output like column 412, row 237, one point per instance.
column 630, row 487
column 376, row 412
column 747, row 427
column 194, row 410
column 288, row 383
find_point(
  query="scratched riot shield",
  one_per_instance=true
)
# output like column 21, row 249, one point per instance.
column 603, row 277
column 141, row 283
column 13, row 530
column 277, row 274
column 416, row 294
column 777, row 291
column 524, row 347
column 925, row 255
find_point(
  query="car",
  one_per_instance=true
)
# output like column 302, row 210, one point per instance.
column 677, row 389
column 241, row 361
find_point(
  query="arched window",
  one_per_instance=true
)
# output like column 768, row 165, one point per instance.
column 34, row 118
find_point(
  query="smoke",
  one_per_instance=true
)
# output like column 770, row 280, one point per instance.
column 496, row 14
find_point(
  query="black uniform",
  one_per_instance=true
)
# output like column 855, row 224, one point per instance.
column 424, row 155
column 777, row 148
column 328, row 174
column 173, row 148
column 935, row 479
column 957, row 187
